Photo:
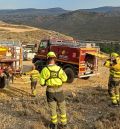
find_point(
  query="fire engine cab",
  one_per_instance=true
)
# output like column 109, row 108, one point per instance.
column 76, row 58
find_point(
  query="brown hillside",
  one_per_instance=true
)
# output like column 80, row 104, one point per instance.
column 26, row 33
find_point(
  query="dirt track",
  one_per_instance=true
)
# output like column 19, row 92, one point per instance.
column 18, row 30
column 87, row 105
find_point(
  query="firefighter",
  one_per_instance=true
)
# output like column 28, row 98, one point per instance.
column 7, row 77
column 53, row 77
column 34, row 77
column 1, row 71
column 2, row 77
column 114, row 79
column 11, row 73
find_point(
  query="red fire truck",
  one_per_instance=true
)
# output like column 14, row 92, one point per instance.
column 10, row 56
column 76, row 58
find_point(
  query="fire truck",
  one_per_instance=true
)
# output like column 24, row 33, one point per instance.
column 78, row 59
column 10, row 56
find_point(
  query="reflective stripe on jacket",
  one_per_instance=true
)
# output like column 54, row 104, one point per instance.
column 35, row 75
column 114, row 67
column 52, row 76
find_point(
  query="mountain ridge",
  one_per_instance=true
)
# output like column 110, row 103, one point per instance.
column 95, row 24
column 49, row 11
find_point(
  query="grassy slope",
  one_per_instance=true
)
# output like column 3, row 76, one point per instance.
column 87, row 106
column 26, row 33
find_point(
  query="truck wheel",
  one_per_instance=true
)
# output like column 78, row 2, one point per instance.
column 70, row 74
column 2, row 82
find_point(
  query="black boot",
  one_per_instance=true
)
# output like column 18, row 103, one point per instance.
column 53, row 126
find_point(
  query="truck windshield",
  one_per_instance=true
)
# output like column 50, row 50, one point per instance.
column 43, row 44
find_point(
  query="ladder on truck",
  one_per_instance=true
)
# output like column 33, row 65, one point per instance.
column 73, row 43
column 80, row 44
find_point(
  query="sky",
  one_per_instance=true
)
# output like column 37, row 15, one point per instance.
column 65, row 4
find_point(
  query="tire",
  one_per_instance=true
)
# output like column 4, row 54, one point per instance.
column 2, row 82
column 70, row 74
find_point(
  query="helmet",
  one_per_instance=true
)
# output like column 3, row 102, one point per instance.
column 51, row 54
column 113, row 54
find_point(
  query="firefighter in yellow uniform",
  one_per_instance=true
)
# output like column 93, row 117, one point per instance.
column 53, row 77
column 34, row 77
column 114, row 80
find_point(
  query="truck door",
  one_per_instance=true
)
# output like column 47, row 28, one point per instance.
column 91, row 63
column 40, row 58
column 43, row 48
column 88, row 62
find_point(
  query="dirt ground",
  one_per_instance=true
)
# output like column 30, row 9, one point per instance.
column 87, row 105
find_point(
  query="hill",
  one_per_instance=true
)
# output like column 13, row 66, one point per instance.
column 105, row 9
column 32, row 11
column 26, row 33
column 87, row 24
column 30, row 16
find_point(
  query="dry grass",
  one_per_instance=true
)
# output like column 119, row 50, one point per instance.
column 87, row 105
column 26, row 33
column 11, row 29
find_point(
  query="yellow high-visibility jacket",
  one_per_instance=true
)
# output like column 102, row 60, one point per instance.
column 34, row 74
column 114, row 67
column 52, row 76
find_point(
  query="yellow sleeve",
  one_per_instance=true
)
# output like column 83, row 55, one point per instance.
column 44, row 75
column 28, row 73
column 62, row 76
column 107, row 64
